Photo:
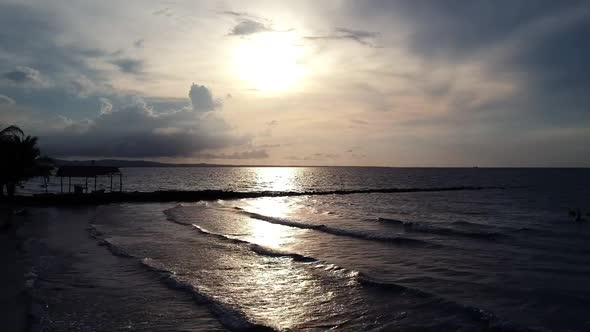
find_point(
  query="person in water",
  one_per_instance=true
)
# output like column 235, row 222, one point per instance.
column 576, row 214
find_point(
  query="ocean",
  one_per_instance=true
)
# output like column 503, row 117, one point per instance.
column 503, row 258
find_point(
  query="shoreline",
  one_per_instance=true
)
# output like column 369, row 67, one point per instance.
column 77, row 283
column 201, row 195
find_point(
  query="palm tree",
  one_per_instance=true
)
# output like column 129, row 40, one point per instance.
column 21, row 157
column 10, row 132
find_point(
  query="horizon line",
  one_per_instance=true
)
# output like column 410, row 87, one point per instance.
column 205, row 164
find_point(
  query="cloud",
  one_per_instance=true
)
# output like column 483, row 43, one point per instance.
column 6, row 100
column 253, row 154
column 268, row 128
column 359, row 122
column 466, row 71
column 248, row 27
column 128, row 65
column 106, row 107
column 319, row 156
column 139, row 131
column 366, row 38
column 163, row 12
column 237, row 14
column 140, row 43
column 539, row 46
column 25, row 76
column 360, row 36
column 34, row 36
column 201, row 98
column 83, row 87
column 249, row 24
column 269, row 146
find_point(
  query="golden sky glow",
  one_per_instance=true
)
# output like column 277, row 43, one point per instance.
column 339, row 82
column 269, row 62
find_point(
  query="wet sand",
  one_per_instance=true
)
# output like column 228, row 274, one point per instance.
column 13, row 299
column 80, row 285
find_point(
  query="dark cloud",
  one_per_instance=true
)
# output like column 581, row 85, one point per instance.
column 132, row 144
column 248, row 27
column 253, row 154
column 138, row 130
column 201, row 98
column 128, row 65
column 459, row 27
column 366, row 38
column 31, row 36
column 6, row 100
column 25, row 76
column 556, row 66
column 34, row 54
column 249, row 24
column 539, row 46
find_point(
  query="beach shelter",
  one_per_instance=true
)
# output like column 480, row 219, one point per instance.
column 88, row 172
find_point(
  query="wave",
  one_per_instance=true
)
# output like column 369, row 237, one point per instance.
column 261, row 250
column 354, row 277
column 422, row 228
column 229, row 317
column 236, row 320
column 99, row 236
column 339, row 231
column 468, row 224
column 255, row 247
column 489, row 320
column 265, row 251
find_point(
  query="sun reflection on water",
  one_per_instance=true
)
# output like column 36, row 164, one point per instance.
column 263, row 232
column 266, row 233
column 277, row 178
column 288, row 294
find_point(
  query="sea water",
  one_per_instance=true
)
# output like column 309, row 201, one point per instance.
column 503, row 258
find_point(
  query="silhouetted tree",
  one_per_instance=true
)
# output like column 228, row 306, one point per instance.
column 20, row 159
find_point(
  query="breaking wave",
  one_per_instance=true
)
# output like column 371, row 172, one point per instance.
column 229, row 317
column 356, row 278
column 400, row 240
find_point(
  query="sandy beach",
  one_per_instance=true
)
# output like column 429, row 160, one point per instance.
column 13, row 300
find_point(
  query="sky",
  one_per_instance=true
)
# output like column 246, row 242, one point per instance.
column 336, row 82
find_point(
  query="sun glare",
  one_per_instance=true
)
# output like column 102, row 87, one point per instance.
column 269, row 61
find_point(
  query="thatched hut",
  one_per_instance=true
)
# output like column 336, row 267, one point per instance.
column 88, row 172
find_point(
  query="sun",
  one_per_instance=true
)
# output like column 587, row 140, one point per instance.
column 269, row 62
